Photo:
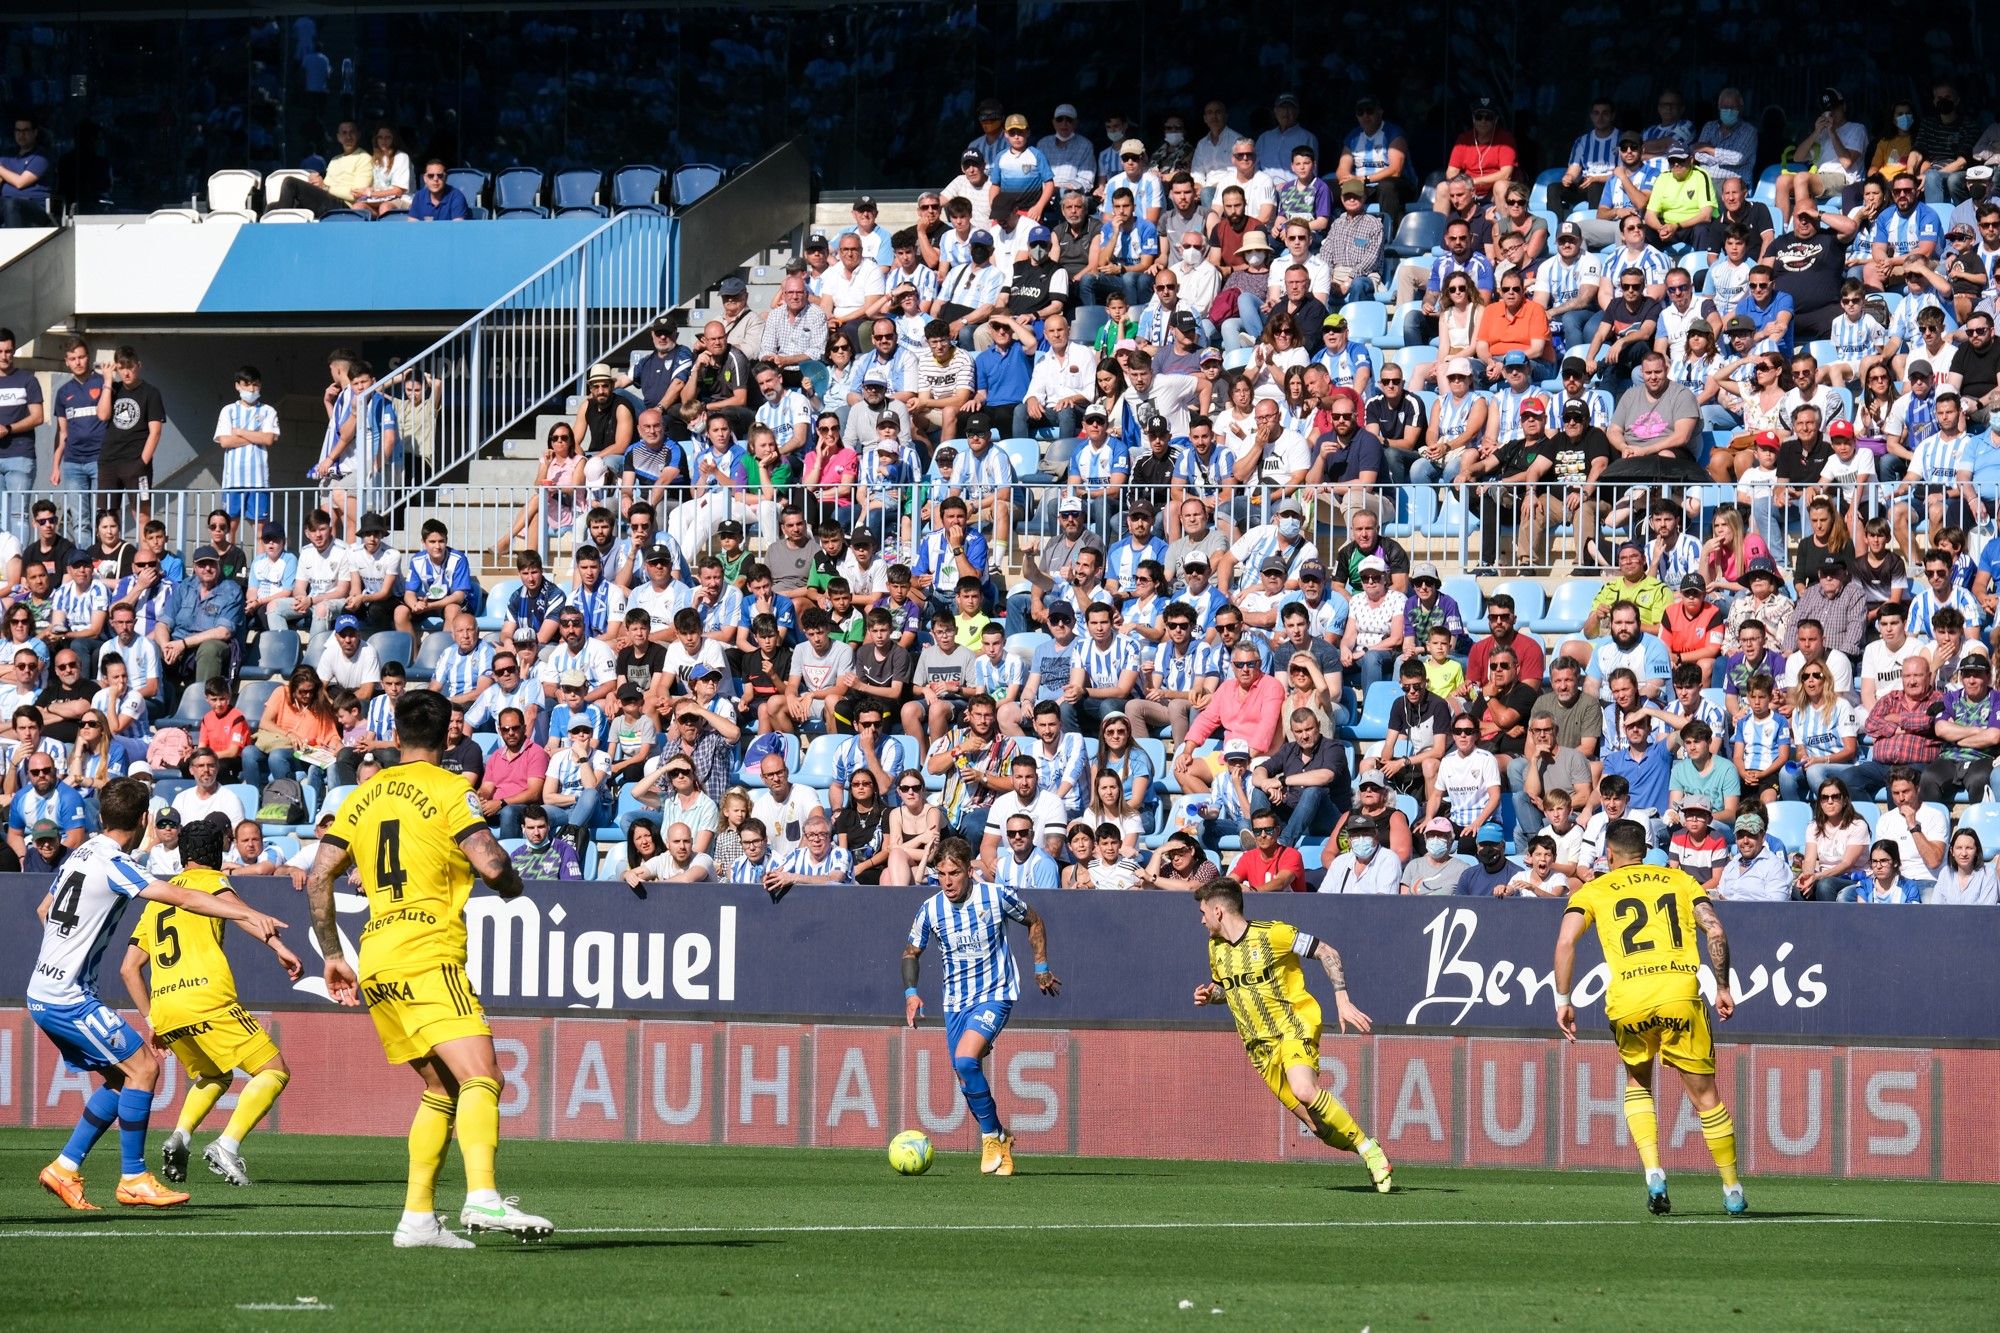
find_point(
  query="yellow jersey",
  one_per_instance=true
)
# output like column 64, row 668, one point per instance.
column 191, row 978
column 404, row 827
column 1261, row 978
column 1645, row 922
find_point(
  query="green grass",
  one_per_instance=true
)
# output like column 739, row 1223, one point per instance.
column 756, row 1238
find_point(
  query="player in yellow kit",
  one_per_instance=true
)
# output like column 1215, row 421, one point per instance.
column 192, row 1007
column 1253, row 967
column 416, row 837
column 1647, row 918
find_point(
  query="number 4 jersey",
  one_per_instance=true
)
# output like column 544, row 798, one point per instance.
column 1645, row 922
column 88, row 901
column 404, row 827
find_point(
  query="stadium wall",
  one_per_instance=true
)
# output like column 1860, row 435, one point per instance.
column 1864, row 1044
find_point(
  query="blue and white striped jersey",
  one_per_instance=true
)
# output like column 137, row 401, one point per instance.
column 1596, row 153
column 925, row 280
column 1451, row 412
column 836, row 864
column 456, row 672
column 382, row 717
column 1179, row 671
column 566, row 770
column 89, row 899
column 1103, row 666
column 1121, row 562
column 248, row 466
column 1068, row 764
column 1729, row 283
column 1348, row 362
column 790, row 415
column 1708, row 709
column 900, row 366
column 1925, row 604
column 1693, row 374
column 1938, row 460
column 977, row 476
column 1904, row 232
column 1683, row 559
column 1205, row 476
column 998, row 679
column 1856, row 338
column 1371, row 151
column 1507, row 410
column 1563, row 281
column 1038, row 871
column 851, row 758
column 1762, row 738
column 1617, row 196
column 343, row 408
column 1616, row 259
column 1903, row 324
column 1148, row 193
column 972, row 944
column 973, row 285
column 79, row 606
column 1095, row 464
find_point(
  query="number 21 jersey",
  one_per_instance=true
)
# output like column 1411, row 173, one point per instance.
column 404, row 827
column 1645, row 923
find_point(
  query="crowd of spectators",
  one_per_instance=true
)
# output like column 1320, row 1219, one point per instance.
column 816, row 565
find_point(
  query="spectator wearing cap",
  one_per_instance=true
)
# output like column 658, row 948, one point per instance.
column 46, row 848
column 1439, row 869
column 1349, row 364
column 1071, row 158
column 1757, row 872
column 1978, row 189
column 1492, row 869
column 1946, row 144
column 605, row 425
column 1375, row 155
column 1764, row 601
column 969, row 294
column 273, row 571
column 79, row 605
column 348, row 660
column 201, row 637
column 1681, row 207
column 1276, row 145
column 1969, row 726
column 1021, row 175
column 1368, row 864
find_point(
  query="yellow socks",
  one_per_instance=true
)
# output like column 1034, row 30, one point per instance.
column 478, row 1131
column 1720, row 1131
column 1337, row 1128
column 202, row 1095
column 1644, row 1124
column 430, row 1135
column 254, row 1105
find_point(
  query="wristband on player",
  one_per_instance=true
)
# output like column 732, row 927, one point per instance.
column 910, row 992
column 1562, row 998
column 1041, row 969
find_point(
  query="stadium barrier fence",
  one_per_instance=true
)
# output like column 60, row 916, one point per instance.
column 711, row 1016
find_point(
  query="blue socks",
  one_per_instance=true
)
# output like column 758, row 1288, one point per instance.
column 978, row 1093
column 98, row 1113
column 135, row 1108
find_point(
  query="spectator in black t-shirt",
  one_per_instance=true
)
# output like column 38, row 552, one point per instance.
column 1423, row 721
column 1363, row 540
column 1353, row 460
column 462, row 754
column 1977, row 365
column 1508, row 484
column 1152, row 472
column 138, row 414
column 1503, row 705
column 1808, row 264
column 48, row 547
column 605, row 426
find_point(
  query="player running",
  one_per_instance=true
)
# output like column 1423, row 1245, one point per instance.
column 1254, row 966
column 80, row 919
column 969, row 922
column 193, row 1010
column 1646, row 918
column 415, row 833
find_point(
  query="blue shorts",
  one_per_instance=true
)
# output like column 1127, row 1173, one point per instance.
column 89, row 1034
column 987, row 1018
column 247, row 504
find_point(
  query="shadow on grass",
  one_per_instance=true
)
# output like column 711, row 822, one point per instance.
column 1400, row 1189
column 561, row 1243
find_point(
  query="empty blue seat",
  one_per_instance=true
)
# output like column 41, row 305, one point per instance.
column 693, row 181
column 1418, row 233
column 277, row 655
column 470, row 182
column 391, row 645
column 638, row 187
column 517, row 192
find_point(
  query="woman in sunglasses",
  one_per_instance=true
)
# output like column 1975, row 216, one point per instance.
column 861, row 825
column 1836, row 841
column 914, row 825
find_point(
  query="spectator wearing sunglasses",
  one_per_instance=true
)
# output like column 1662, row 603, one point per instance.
column 437, row 200
column 44, row 798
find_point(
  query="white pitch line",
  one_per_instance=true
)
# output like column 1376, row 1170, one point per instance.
column 68, row 1233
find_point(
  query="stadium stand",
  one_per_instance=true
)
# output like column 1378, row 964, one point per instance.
column 1437, row 501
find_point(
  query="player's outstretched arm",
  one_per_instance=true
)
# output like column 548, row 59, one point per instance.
column 1565, row 969
column 1718, row 958
column 1208, row 992
column 226, row 906
column 329, row 863
column 491, row 863
column 913, row 1005
column 1038, row 939
column 1336, row 972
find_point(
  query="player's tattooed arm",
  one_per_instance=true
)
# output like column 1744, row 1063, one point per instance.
column 1038, row 938
column 329, row 863
column 1329, row 958
column 491, row 862
column 1718, row 942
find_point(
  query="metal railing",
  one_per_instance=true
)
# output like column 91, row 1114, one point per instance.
column 1501, row 528
column 534, row 344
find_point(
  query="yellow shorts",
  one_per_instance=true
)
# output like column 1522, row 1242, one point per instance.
column 1272, row 1057
column 1676, row 1031
column 415, row 1014
column 212, row 1047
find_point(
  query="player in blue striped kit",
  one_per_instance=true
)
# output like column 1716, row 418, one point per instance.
column 969, row 922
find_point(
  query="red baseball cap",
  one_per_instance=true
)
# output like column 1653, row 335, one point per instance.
column 1840, row 430
column 1766, row 439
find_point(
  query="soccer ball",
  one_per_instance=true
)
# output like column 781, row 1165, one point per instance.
column 910, row 1153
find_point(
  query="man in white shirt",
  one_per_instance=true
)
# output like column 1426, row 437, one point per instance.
column 326, row 577
column 208, row 795
column 1063, row 382
column 851, row 289
column 349, row 661
column 1259, row 203
column 1210, row 165
column 1027, row 797
column 783, row 805
column 1882, row 661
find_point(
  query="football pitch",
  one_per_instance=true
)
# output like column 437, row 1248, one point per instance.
column 655, row 1236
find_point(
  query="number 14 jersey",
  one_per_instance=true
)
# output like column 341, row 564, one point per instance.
column 1645, row 922
column 404, row 827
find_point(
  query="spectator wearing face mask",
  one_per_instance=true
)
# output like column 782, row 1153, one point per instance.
column 1367, row 866
column 1495, row 869
column 1438, row 870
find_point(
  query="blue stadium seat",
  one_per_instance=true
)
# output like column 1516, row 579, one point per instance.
column 391, row 645
column 1367, row 321
column 1984, row 821
column 246, row 796
column 277, row 655
column 693, row 181
column 1568, row 607
column 577, row 187
column 1530, row 601
column 1025, row 453
column 637, row 187
column 429, row 653
column 817, row 770
column 750, row 777
column 1789, row 820
column 495, row 614
column 517, row 192
column 1418, row 233
column 1374, row 721
column 1089, row 319
column 343, row 215
column 1465, row 590
column 470, row 182
column 1538, row 197
column 251, row 695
